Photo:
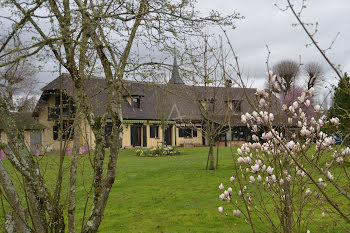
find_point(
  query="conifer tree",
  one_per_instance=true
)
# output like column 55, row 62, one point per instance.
column 341, row 105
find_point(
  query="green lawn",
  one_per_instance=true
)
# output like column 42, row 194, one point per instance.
column 162, row 194
column 169, row 194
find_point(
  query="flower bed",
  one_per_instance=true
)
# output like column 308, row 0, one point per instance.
column 157, row 151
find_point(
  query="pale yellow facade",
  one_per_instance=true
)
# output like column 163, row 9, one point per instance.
column 26, row 135
column 189, row 141
column 154, row 142
column 86, row 138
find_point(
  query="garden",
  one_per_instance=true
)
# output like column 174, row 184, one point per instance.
column 163, row 194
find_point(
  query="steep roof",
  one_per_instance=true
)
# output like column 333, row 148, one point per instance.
column 25, row 121
column 161, row 101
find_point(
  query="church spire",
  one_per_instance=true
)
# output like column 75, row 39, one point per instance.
column 175, row 76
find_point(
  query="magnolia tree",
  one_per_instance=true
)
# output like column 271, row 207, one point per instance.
column 290, row 176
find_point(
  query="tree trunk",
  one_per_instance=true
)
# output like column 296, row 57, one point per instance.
column 24, row 163
column 206, row 168
column 211, row 154
column 73, row 174
column 38, row 219
column 163, row 133
column 288, row 206
column 100, row 201
column 217, row 155
column 17, row 217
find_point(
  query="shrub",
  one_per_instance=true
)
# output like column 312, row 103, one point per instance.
column 157, row 151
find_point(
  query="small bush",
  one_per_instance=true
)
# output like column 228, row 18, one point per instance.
column 157, row 151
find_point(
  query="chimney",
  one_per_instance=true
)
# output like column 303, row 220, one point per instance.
column 228, row 83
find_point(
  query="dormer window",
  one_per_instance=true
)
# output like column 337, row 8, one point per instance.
column 236, row 106
column 211, row 105
column 136, row 101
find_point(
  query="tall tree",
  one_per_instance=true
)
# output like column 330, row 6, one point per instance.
column 287, row 71
column 341, row 105
column 85, row 38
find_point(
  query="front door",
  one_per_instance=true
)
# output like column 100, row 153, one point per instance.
column 136, row 135
column 167, row 135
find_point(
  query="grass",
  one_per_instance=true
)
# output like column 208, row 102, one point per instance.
column 168, row 194
column 161, row 194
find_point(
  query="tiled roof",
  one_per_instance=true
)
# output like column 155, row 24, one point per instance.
column 161, row 101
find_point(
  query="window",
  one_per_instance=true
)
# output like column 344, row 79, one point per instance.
column 239, row 134
column 67, row 131
column 236, row 106
column 154, row 129
column 68, row 107
column 136, row 103
column 66, row 100
column 187, row 132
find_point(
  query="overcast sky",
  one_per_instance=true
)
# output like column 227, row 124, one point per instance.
column 265, row 25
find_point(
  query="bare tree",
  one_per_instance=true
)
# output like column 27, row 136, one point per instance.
column 18, row 84
column 211, row 85
column 287, row 72
column 83, row 35
column 314, row 74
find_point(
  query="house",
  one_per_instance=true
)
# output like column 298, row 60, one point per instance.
column 151, row 112
column 29, row 128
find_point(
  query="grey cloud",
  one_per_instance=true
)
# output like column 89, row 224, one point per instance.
column 264, row 25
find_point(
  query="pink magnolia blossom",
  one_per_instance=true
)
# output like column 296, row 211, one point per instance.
column 273, row 178
column 229, row 190
column 244, row 119
column 307, row 192
column 262, row 102
column 317, row 108
column 255, row 168
column 269, row 170
column 307, row 103
column 329, row 175
column 226, row 193
column 238, row 212
column 221, row 209
column 259, row 178
column 251, row 179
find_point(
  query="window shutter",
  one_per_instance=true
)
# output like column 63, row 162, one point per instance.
column 194, row 132
column 55, row 132
column 57, row 100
